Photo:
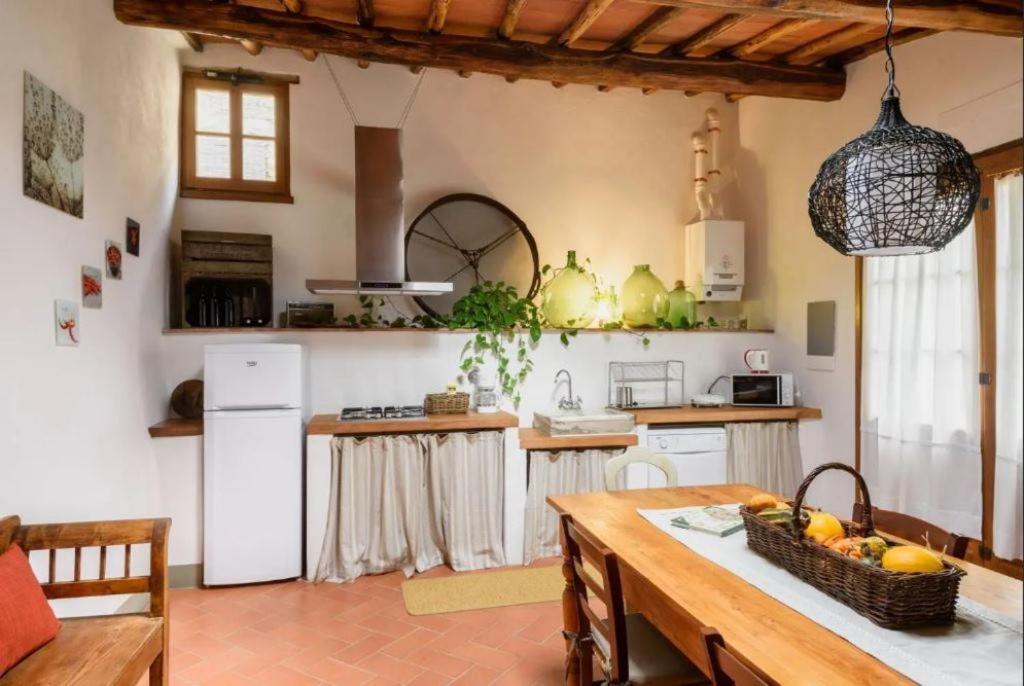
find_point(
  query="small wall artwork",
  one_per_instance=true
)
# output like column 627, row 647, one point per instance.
column 65, row 324
column 92, row 287
column 114, row 256
column 52, row 146
column 133, row 236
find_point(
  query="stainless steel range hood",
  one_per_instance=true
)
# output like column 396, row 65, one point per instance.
column 380, row 223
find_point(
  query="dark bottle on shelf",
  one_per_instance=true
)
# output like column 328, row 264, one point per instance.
column 203, row 309
column 228, row 303
column 215, row 311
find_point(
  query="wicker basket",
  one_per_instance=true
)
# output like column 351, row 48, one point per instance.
column 892, row 600
column 446, row 403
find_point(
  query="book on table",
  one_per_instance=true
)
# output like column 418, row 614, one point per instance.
column 718, row 520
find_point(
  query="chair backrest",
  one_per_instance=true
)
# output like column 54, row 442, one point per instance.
column 611, row 624
column 726, row 667
column 120, row 534
column 637, row 454
column 915, row 530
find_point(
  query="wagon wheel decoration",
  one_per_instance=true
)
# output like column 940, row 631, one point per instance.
column 467, row 239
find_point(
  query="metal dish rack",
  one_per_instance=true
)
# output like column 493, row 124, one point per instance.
column 651, row 384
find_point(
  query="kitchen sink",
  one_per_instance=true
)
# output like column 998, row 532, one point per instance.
column 584, row 422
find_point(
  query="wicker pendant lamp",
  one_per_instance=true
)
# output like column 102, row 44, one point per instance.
column 899, row 189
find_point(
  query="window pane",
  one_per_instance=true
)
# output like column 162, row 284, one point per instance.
column 213, row 157
column 213, row 111
column 257, row 115
column 259, row 161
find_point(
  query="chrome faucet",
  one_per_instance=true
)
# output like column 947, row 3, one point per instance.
column 568, row 402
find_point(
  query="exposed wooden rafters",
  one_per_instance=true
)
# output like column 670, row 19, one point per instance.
column 292, row 6
column 587, row 16
column 769, row 36
column 809, row 53
column 438, row 15
column 706, row 34
column 859, row 52
column 194, row 40
column 507, row 58
column 987, row 16
column 657, row 20
column 364, row 12
column 510, row 19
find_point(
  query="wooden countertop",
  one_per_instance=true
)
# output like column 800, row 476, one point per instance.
column 727, row 413
column 535, row 439
column 328, row 424
column 176, row 427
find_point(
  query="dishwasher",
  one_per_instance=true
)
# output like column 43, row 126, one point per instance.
column 698, row 453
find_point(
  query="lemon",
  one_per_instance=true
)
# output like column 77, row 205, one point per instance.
column 823, row 526
column 910, row 558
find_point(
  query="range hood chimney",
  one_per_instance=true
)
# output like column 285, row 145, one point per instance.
column 380, row 223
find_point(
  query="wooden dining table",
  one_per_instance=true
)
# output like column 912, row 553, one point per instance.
column 680, row 591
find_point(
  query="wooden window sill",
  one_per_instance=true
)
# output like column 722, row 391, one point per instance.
column 246, row 196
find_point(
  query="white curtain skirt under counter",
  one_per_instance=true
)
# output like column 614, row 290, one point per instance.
column 765, row 454
column 554, row 473
column 413, row 502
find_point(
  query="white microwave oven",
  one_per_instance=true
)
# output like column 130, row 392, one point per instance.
column 763, row 390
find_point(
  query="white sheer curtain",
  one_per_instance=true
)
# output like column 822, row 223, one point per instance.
column 920, row 414
column 1008, row 535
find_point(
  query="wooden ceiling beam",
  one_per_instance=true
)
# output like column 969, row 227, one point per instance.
column 705, row 35
column 657, row 20
column 438, row 15
column 292, row 6
column 769, row 36
column 811, row 52
column 583, row 21
column 859, row 52
column 510, row 19
column 485, row 55
column 364, row 12
column 194, row 40
column 986, row 16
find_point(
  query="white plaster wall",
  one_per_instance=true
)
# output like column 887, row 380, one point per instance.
column 965, row 84
column 73, row 441
column 607, row 174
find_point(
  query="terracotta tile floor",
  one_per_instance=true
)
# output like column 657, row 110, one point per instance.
column 358, row 633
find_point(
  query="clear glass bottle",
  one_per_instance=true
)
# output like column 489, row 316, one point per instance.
column 644, row 298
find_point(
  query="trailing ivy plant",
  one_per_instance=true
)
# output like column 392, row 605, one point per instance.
column 507, row 327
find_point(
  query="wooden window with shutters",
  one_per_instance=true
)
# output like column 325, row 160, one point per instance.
column 234, row 138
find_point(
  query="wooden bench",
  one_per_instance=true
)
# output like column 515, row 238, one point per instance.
column 113, row 650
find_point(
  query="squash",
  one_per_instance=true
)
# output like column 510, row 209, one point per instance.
column 911, row 559
column 823, row 526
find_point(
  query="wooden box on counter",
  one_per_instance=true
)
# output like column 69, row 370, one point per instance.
column 222, row 279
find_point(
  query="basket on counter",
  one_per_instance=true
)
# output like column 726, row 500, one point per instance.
column 892, row 600
column 446, row 403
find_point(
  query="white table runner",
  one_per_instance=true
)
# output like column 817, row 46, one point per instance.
column 981, row 647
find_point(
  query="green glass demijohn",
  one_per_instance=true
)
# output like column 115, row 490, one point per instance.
column 644, row 298
column 682, row 307
column 569, row 299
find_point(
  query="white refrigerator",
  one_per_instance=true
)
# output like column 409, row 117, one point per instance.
column 252, row 463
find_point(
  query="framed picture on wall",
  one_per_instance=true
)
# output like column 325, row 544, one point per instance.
column 113, row 256
column 92, row 287
column 65, row 322
column 132, row 236
column 52, row 149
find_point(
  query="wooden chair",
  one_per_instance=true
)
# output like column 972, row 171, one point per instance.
column 630, row 649
column 114, row 650
column 638, row 454
column 915, row 530
column 726, row 668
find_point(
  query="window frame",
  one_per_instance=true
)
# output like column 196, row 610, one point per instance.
column 992, row 163
column 235, row 187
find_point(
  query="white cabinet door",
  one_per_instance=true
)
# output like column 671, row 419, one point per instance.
column 252, row 496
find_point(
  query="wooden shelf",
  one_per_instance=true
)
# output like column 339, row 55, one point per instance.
column 535, row 439
column 726, row 413
column 176, row 427
column 330, row 425
column 338, row 329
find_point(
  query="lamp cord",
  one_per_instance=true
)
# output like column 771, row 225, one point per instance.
column 892, row 91
column 351, row 109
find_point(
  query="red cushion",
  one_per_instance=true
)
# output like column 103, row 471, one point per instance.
column 26, row 620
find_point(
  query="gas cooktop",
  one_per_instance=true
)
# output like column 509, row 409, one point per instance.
column 351, row 414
